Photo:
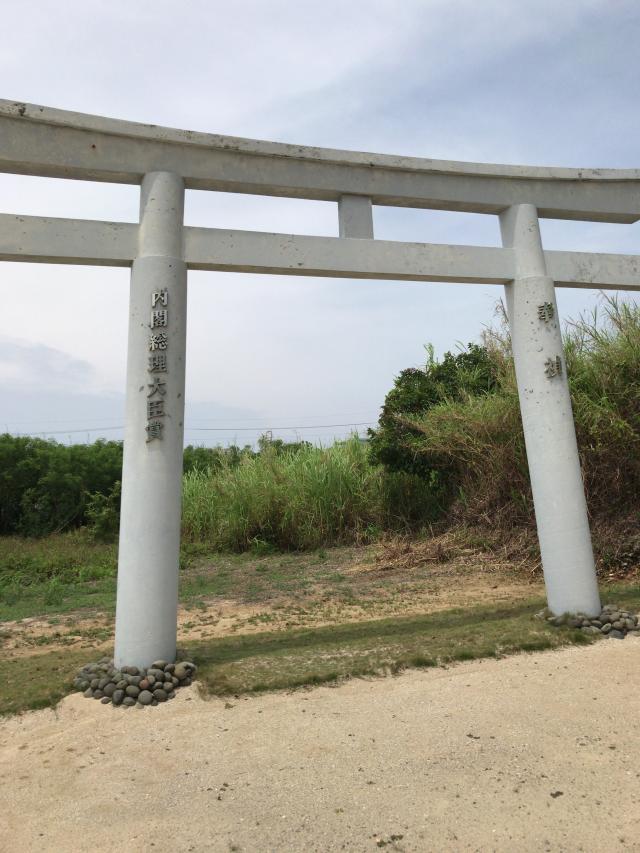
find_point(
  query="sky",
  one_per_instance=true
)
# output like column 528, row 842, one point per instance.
column 533, row 82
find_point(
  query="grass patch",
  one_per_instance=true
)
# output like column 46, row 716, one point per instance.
column 43, row 599
column 64, row 557
column 258, row 580
column 57, row 574
column 38, row 681
column 68, row 572
column 251, row 663
column 296, row 658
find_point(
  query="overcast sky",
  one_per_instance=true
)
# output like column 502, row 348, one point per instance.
column 540, row 83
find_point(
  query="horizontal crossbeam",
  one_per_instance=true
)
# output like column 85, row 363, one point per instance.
column 71, row 241
column 67, row 241
column 336, row 257
column 594, row 270
column 38, row 140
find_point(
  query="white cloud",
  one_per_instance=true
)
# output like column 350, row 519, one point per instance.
column 24, row 365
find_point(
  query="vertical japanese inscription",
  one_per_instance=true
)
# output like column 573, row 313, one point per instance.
column 545, row 312
column 157, row 364
column 553, row 367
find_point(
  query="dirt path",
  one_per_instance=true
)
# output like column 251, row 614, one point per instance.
column 534, row 752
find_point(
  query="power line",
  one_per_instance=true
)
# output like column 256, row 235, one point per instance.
column 199, row 419
column 267, row 428
column 66, row 431
column 357, row 414
column 200, row 429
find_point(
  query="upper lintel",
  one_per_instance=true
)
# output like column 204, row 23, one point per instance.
column 38, row 140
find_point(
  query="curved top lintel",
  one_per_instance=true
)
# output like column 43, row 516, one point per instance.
column 156, row 133
column 38, row 140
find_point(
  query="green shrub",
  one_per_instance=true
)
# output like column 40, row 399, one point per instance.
column 471, row 371
column 212, row 458
column 603, row 364
column 54, row 593
column 103, row 514
column 44, row 485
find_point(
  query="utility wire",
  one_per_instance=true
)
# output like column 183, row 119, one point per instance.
column 203, row 419
column 65, row 431
column 199, row 429
column 266, row 429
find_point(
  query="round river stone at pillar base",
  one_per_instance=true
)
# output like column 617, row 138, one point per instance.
column 127, row 686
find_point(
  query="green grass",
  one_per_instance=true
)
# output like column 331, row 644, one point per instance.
column 288, row 659
column 70, row 572
column 58, row 574
column 68, row 558
column 296, row 658
column 65, row 572
column 39, row 681
column 48, row 599
column 204, row 575
column 301, row 501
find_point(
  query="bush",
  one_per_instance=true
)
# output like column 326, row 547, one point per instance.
column 103, row 514
column 44, row 485
column 212, row 458
column 603, row 364
column 471, row 371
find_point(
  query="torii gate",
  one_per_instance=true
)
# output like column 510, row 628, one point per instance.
column 37, row 140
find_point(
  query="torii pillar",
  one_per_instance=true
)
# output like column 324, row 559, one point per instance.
column 547, row 421
column 147, row 598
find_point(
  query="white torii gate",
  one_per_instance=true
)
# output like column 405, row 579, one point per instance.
column 37, row 140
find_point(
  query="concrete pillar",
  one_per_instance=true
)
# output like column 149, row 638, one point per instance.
column 547, row 419
column 355, row 217
column 147, row 599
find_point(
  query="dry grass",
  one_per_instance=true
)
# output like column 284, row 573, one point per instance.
column 480, row 548
column 513, row 552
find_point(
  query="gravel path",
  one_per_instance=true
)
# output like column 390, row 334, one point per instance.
column 530, row 753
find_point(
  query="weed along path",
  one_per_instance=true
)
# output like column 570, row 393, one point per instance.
column 532, row 752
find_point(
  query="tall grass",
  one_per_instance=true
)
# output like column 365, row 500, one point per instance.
column 603, row 362
column 302, row 499
column 481, row 437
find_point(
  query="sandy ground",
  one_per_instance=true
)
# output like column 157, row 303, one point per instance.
column 533, row 752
